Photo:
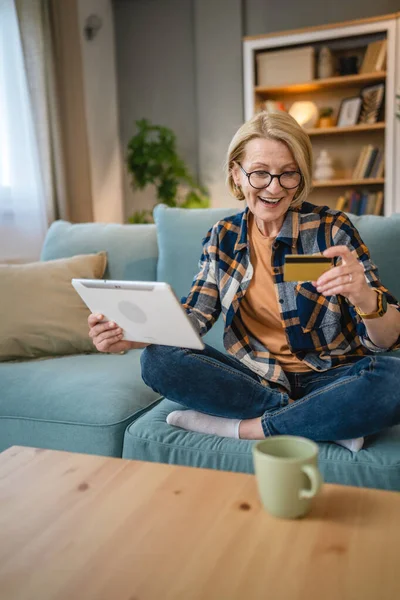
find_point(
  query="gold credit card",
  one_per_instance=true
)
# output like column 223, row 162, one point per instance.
column 305, row 267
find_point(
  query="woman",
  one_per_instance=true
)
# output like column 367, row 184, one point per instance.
column 302, row 359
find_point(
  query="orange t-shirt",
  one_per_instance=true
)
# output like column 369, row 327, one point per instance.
column 259, row 308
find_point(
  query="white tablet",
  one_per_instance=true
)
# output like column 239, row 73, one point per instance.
column 147, row 311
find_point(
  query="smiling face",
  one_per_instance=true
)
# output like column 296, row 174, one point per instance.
column 268, row 205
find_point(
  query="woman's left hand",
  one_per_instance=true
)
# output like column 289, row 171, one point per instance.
column 348, row 279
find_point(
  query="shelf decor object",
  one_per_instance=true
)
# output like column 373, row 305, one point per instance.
column 348, row 65
column 324, row 170
column 372, row 99
column 326, row 66
column 286, row 66
column 271, row 106
column 305, row 113
column 326, row 117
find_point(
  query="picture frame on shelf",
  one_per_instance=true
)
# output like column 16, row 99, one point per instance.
column 349, row 111
column 372, row 101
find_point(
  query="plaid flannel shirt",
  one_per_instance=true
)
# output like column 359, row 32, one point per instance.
column 324, row 332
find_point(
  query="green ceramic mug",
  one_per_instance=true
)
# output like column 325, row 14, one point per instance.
column 287, row 474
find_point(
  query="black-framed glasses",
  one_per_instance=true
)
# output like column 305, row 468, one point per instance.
column 262, row 179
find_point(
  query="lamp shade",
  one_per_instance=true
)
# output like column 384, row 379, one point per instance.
column 305, row 113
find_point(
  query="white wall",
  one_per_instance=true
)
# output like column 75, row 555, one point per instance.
column 156, row 78
column 101, row 107
column 269, row 16
column 219, row 86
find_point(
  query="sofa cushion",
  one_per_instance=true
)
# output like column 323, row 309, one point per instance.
column 151, row 438
column 42, row 313
column 77, row 403
column 180, row 233
column 131, row 249
column 382, row 236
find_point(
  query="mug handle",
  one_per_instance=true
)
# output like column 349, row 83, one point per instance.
column 316, row 481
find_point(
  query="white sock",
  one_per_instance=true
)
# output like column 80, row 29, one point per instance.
column 354, row 445
column 202, row 423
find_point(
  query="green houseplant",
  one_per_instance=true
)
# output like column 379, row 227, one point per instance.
column 152, row 158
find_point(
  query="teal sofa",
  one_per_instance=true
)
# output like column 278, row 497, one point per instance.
column 98, row 403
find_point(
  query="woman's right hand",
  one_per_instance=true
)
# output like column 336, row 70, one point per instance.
column 107, row 336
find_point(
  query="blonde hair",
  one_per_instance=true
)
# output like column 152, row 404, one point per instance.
column 278, row 126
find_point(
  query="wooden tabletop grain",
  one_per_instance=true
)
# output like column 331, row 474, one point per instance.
column 95, row 528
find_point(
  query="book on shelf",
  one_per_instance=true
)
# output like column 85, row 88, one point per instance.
column 377, row 169
column 371, row 203
column 363, row 161
column 380, row 171
column 366, row 161
column 341, row 203
column 362, row 207
column 364, row 203
column 375, row 57
column 369, row 164
column 360, row 161
column 378, row 204
column 354, row 202
column 380, row 60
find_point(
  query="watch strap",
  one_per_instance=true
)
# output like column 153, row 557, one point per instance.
column 382, row 308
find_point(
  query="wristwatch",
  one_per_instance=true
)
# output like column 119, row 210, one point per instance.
column 382, row 308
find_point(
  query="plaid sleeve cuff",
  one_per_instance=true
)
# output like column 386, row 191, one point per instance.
column 365, row 339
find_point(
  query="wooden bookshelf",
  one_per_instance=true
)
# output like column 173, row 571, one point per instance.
column 331, row 83
column 352, row 129
column 344, row 144
column 348, row 182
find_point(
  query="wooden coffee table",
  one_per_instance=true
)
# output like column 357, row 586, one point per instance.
column 93, row 528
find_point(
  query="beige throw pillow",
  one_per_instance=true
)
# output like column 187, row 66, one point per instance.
column 41, row 313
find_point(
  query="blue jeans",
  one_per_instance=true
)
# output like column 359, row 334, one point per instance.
column 346, row 402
